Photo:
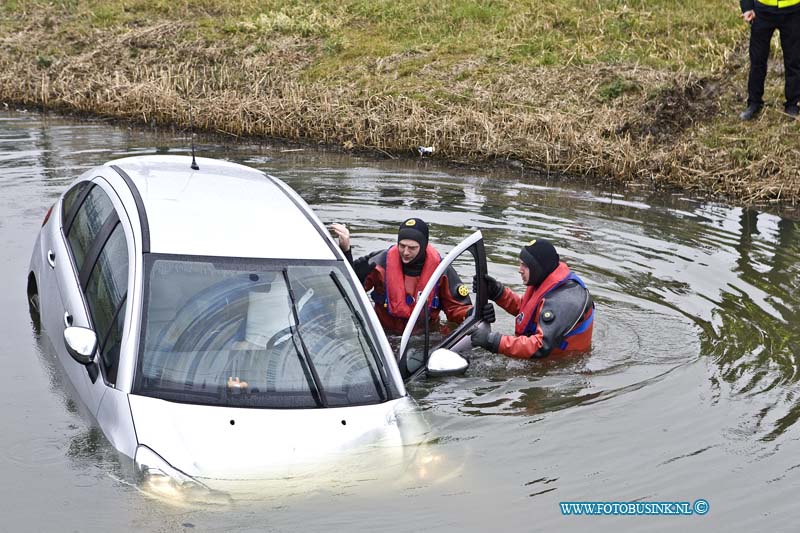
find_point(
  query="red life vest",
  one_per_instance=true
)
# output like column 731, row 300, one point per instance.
column 532, row 299
column 399, row 304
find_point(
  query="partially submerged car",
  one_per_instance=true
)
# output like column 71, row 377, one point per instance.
column 212, row 328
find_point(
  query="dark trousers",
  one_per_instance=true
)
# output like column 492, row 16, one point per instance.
column 761, row 32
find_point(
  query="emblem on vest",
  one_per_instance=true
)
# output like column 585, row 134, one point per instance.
column 463, row 290
column 520, row 318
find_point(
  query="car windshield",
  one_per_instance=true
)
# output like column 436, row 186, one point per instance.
column 257, row 333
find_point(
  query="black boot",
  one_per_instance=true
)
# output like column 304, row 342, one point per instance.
column 751, row 112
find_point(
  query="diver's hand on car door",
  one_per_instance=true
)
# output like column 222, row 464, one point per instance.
column 494, row 287
column 484, row 337
column 488, row 313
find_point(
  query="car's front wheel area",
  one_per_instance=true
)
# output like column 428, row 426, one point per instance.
column 34, row 307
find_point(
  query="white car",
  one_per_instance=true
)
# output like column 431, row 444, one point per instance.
column 212, row 328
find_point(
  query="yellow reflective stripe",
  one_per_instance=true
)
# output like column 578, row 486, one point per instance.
column 779, row 3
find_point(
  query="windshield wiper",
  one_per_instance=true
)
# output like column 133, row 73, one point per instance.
column 383, row 391
column 305, row 359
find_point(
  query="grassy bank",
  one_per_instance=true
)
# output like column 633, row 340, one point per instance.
column 629, row 91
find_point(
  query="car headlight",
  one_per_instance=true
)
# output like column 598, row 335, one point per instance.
column 159, row 477
column 151, row 465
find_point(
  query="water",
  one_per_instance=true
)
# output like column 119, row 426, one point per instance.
column 689, row 391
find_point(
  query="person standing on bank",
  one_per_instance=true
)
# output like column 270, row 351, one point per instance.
column 554, row 316
column 397, row 275
column 766, row 16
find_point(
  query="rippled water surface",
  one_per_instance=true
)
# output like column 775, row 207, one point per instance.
column 689, row 391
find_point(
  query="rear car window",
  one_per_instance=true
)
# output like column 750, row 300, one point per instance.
column 91, row 215
column 71, row 198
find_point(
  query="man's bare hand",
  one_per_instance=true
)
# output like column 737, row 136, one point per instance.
column 343, row 234
column 749, row 16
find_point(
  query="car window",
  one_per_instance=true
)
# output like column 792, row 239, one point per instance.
column 257, row 333
column 90, row 217
column 106, row 291
column 71, row 198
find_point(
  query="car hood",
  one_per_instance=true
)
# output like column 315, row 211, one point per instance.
column 224, row 443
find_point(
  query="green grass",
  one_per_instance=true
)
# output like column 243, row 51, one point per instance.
column 617, row 87
column 657, row 33
column 609, row 82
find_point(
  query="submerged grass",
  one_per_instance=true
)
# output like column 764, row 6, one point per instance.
column 643, row 91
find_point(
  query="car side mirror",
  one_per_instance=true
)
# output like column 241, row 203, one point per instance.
column 81, row 344
column 444, row 362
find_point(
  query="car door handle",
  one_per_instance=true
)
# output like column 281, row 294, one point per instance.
column 51, row 258
column 67, row 320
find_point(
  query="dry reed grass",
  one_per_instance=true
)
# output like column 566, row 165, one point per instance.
column 660, row 127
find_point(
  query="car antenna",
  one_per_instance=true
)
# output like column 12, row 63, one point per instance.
column 191, row 132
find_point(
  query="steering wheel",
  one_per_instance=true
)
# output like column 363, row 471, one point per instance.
column 279, row 336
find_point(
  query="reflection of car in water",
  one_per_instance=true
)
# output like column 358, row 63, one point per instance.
column 211, row 327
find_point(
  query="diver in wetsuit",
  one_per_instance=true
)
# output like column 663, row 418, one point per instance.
column 554, row 316
column 395, row 277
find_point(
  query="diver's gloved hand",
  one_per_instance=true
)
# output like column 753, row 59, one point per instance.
column 486, row 338
column 495, row 288
column 488, row 312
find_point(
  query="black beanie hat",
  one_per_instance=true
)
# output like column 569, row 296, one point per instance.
column 541, row 258
column 415, row 229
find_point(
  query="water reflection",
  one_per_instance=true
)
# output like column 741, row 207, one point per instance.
column 697, row 314
column 674, row 279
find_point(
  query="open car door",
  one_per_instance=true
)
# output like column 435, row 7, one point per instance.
column 468, row 259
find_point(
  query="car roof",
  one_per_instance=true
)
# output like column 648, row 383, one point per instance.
column 223, row 209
